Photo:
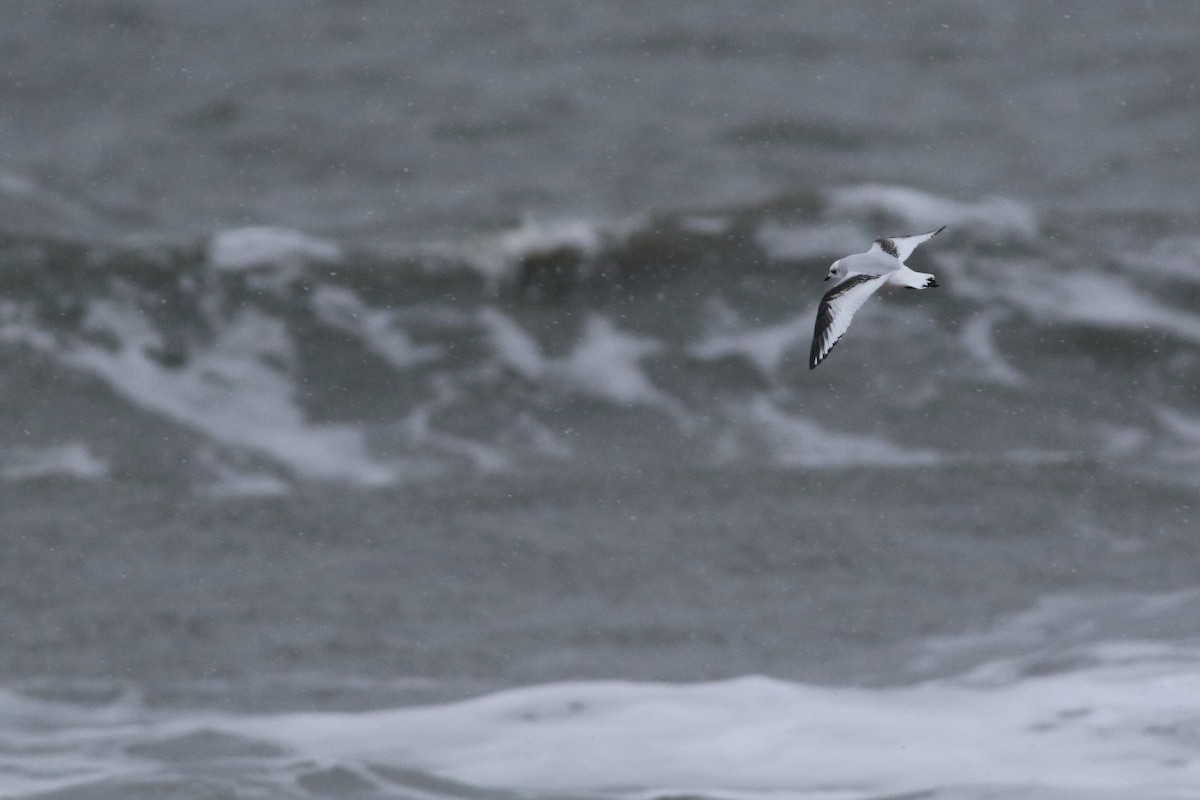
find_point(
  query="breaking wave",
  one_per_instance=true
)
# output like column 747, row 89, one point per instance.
column 300, row 358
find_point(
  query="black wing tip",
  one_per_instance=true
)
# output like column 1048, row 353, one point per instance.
column 939, row 230
column 815, row 356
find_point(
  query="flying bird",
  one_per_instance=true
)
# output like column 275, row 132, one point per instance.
column 858, row 277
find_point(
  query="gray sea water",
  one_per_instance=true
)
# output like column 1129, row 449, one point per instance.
column 411, row 400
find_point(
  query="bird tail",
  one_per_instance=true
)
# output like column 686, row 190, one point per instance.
column 912, row 279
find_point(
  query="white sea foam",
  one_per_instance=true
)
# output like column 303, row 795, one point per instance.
column 237, row 390
column 1117, row 442
column 1168, row 452
column 233, row 479
column 604, row 364
column 980, row 344
column 540, row 437
column 1125, row 724
column 764, row 346
column 1185, row 432
column 1100, row 721
column 1051, row 294
column 73, row 460
column 921, row 211
column 378, row 329
column 18, row 326
column 1060, row 629
column 768, row 346
column 1177, row 258
column 420, row 430
column 804, row 241
column 1111, row 302
column 795, row 441
column 28, row 207
column 513, row 346
column 495, row 256
column 257, row 247
column 1179, row 423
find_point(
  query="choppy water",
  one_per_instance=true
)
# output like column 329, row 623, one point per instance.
column 411, row 400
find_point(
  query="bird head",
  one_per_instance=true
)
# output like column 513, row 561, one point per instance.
column 836, row 271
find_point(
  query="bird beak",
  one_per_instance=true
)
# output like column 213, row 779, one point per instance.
column 827, row 277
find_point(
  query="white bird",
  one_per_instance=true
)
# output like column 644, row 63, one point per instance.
column 858, row 276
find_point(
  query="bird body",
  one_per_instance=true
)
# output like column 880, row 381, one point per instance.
column 858, row 277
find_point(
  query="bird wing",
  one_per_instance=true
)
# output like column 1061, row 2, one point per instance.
column 837, row 309
column 901, row 247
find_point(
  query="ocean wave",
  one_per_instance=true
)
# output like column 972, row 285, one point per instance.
column 241, row 249
column 237, row 390
column 500, row 256
column 544, row 340
column 801, row 241
column 1179, row 451
column 1113, row 719
column 1066, row 629
column 73, row 461
column 764, row 346
column 1175, row 258
column 606, row 363
column 380, row 330
column 796, row 442
column 29, row 209
column 977, row 337
column 1118, row 723
column 1054, row 295
column 921, row 211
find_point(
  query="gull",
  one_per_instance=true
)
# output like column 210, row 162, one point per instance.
column 858, row 277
